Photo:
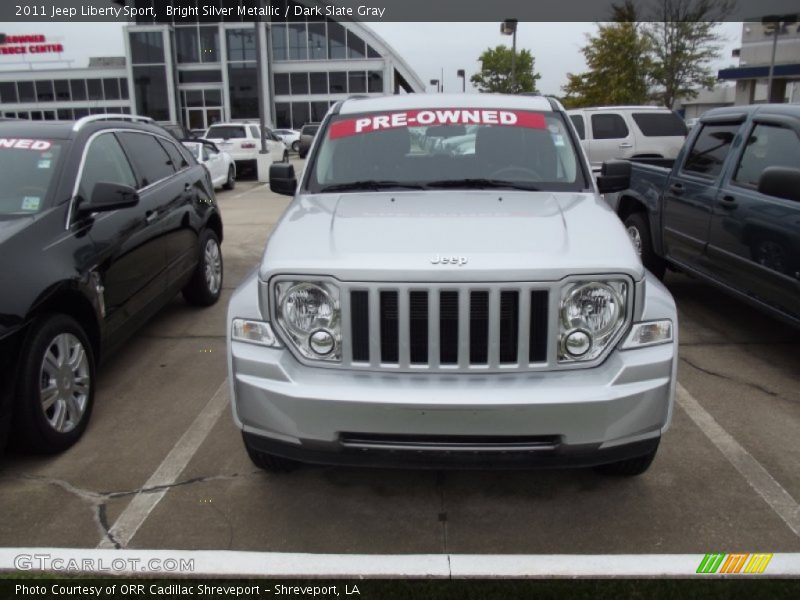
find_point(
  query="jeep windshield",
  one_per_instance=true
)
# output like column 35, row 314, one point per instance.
column 447, row 149
column 26, row 170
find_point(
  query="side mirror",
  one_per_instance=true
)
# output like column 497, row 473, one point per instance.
column 282, row 179
column 615, row 176
column 107, row 196
column 781, row 182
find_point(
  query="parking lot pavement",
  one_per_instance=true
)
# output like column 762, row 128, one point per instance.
column 725, row 479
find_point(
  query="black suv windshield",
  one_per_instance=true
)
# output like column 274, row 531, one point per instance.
column 447, row 149
column 26, row 173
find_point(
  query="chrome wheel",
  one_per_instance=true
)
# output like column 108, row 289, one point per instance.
column 213, row 263
column 64, row 382
column 636, row 238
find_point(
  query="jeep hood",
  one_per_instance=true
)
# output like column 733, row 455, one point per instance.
column 496, row 235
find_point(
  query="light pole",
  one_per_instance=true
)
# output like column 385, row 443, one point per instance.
column 436, row 83
column 509, row 27
column 777, row 23
column 462, row 74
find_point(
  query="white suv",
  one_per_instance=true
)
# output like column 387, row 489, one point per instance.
column 243, row 142
column 628, row 131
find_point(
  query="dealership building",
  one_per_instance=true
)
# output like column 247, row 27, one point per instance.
column 198, row 72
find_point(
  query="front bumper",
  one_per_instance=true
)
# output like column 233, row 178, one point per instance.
column 583, row 417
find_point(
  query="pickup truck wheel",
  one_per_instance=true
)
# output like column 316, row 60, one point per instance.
column 230, row 183
column 629, row 467
column 269, row 462
column 639, row 231
column 205, row 285
column 55, row 386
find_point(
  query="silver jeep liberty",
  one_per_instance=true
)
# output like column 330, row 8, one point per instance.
column 448, row 288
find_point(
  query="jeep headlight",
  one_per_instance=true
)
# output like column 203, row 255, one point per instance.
column 592, row 314
column 310, row 314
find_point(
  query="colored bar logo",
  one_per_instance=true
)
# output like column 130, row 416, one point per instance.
column 732, row 564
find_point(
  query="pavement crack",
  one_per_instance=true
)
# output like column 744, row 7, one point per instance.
column 440, row 476
column 185, row 482
column 729, row 378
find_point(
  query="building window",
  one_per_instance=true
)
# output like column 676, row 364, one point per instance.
column 95, row 87
column 300, row 114
column 123, row 88
column 283, row 115
column 151, row 92
column 44, row 91
column 318, row 110
column 299, row 83
column 298, row 48
column 26, row 92
column 65, row 114
column 279, row 43
column 213, row 97
column 356, row 47
column 372, row 53
column 241, row 44
column 193, row 98
column 319, row 83
column 357, row 82
column 204, row 76
column 375, row 82
column 111, row 88
column 338, row 82
column 281, row 83
column 62, row 90
column 186, row 44
column 78, row 89
column 8, row 92
column 336, row 41
column 209, row 44
column 242, row 78
column 147, row 47
column 317, row 41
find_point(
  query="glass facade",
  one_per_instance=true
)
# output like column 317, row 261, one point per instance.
column 149, row 74
column 63, row 90
column 322, row 40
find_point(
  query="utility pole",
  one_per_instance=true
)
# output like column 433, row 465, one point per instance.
column 463, row 75
column 776, row 22
column 509, row 27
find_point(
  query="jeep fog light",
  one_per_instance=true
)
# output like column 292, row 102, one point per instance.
column 309, row 313
column 254, row 332
column 592, row 315
column 648, row 334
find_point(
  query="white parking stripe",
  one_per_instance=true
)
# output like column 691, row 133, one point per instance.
column 143, row 503
column 228, row 563
column 756, row 475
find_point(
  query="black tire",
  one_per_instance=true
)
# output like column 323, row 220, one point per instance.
column 296, row 146
column 34, row 429
column 285, row 156
column 230, row 183
column 630, row 467
column 201, row 289
column 638, row 222
column 269, row 462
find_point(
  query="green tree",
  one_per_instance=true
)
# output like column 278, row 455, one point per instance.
column 684, row 40
column 495, row 73
column 618, row 61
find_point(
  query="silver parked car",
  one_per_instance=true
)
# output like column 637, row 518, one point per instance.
column 418, row 308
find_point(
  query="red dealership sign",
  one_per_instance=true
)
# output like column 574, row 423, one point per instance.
column 27, row 44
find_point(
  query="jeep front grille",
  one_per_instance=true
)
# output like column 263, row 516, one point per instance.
column 494, row 327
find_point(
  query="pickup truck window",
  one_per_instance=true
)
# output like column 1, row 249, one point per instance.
column 608, row 127
column 767, row 146
column 577, row 120
column 710, row 149
column 26, row 170
column 660, row 124
column 447, row 148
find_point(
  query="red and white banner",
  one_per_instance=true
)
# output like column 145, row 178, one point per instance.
column 435, row 117
column 24, row 144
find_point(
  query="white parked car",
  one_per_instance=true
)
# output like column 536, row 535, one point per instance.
column 243, row 142
column 290, row 137
column 628, row 131
column 219, row 164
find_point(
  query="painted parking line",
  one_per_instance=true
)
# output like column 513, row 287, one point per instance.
column 754, row 473
column 167, row 473
column 443, row 566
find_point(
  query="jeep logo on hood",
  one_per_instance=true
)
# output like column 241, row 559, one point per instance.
column 449, row 260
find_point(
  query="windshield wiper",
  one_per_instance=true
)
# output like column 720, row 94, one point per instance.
column 480, row 184
column 370, row 184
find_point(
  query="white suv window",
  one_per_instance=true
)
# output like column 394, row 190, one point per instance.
column 608, row 127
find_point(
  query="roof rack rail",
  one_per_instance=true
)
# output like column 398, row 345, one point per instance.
column 109, row 117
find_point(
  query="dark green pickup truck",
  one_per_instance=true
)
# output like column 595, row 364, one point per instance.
column 728, row 209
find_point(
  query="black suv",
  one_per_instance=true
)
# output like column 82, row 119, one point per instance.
column 102, row 222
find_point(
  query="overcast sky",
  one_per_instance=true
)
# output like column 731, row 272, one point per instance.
column 428, row 47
